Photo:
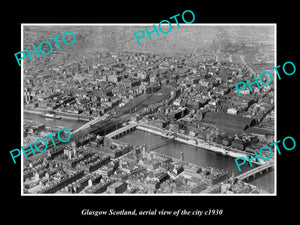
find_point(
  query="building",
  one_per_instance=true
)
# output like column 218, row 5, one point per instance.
column 117, row 187
column 232, row 111
column 229, row 122
column 54, row 152
column 106, row 171
column 64, row 182
column 99, row 188
column 161, row 177
column 243, row 143
column 28, row 174
column 152, row 186
column 38, row 127
column 200, row 187
column 70, row 152
column 178, row 169
column 95, row 179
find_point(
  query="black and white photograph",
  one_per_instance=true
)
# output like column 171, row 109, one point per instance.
column 162, row 117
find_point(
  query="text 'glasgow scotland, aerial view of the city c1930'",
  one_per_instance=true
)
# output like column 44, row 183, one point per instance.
column 160, row 118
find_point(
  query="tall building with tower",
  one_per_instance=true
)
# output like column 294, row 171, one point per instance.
column 144, row 151
column 73, row 145
column 182, row 156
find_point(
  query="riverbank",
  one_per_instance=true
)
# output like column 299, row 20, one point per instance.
column 64, row 115
column 194, row 155
column 195, row 142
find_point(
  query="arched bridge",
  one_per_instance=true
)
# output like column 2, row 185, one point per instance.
column 122, row 131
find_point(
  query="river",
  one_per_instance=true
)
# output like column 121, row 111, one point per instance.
column 69, row 124
column 197, row 156
column 192, row 154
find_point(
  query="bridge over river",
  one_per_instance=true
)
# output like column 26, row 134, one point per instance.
column 254, row 172
column 158, row 145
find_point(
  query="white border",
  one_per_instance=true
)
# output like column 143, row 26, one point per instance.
column 143, row 25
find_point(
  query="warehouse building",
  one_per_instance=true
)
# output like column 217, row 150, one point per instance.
column 228, row 122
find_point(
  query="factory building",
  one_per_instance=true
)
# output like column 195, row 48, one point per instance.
column 228, row 122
